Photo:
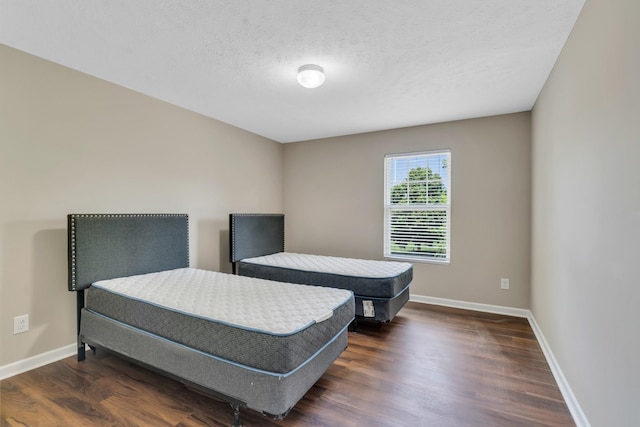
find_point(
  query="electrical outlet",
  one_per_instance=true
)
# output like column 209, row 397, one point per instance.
column 20, row 324
column 504, row 283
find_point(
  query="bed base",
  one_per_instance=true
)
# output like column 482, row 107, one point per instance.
column 384, row 309
column 273, row 395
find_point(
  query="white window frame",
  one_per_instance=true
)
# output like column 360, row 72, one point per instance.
column 392, row 181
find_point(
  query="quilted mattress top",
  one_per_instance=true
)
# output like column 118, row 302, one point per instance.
column 334, row 265
column 255, row 304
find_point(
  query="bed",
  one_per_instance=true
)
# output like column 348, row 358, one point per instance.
column 254, row 343
column 381, row 288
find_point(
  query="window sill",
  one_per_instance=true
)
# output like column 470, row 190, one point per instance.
column 418, row 259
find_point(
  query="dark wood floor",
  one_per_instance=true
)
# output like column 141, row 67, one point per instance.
column 431, row 366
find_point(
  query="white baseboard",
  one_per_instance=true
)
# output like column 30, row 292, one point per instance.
column 36, row 361
column 570, row 399
column 486, row 308
column 579, row 416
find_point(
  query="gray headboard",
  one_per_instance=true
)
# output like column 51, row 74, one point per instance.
column 253, row 235
column 105, row 246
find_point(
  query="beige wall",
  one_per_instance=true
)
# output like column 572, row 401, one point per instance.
column 70, row 143
column 333, row 202
column 586, row 212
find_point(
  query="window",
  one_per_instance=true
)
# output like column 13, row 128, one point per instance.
column 417, row 206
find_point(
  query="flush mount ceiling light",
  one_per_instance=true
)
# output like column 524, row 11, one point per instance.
column 310, row 76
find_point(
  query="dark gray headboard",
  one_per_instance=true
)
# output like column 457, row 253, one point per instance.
column 105, row 246
column 254, row 235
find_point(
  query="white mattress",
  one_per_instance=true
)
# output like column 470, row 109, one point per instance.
column 254, row 304
column 332, row 265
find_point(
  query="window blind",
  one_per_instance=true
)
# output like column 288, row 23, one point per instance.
column 417, row 206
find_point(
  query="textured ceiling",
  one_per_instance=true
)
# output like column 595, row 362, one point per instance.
column 388, row 64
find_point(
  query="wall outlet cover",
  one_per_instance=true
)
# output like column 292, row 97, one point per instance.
column 20, row 324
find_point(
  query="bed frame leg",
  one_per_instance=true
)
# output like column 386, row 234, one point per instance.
column 81, row 350
column 80, row 306
column 236, row 415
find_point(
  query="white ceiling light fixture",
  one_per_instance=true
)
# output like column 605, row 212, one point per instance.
column 311, row 76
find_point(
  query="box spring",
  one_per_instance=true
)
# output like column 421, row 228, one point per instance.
column 271, row 394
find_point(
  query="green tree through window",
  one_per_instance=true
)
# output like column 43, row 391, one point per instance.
column 417, row 208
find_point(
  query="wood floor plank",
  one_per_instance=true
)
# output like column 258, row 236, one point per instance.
column 431, row 366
